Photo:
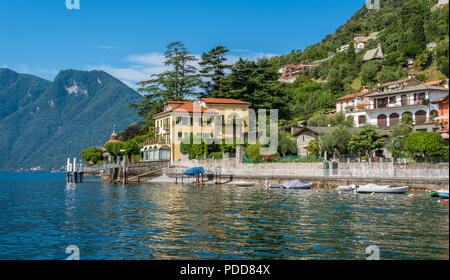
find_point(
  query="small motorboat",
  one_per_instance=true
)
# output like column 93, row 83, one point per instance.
column 373, row 188
column 443, row 194
column 244, row 184
column 293, row 185
column 433, row 193
column 347, row 188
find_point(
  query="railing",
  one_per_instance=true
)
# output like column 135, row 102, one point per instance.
column 103, row 167
column 396, row 105
column 158, row 140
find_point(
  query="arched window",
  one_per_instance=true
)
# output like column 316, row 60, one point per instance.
column 382, row 120
column 394, row 119
column 421, row 117
column 164, row 153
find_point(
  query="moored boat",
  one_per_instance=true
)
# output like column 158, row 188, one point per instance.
column 244, row 184
column 373, row 188
column 443, row 194
column 293, row 185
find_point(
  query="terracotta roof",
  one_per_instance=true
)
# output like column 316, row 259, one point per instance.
column 224, row 101
column 188, row 106
column 407, row 89
column 192, row 107
column 112, row 141
column 353, row 95
column 435, row 82
column 394, row 83
column 440, row 99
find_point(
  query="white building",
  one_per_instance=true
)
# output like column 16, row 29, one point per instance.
column 385, row 106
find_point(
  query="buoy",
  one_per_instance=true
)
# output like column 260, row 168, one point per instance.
column 446, row 201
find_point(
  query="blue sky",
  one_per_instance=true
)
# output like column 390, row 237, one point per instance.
column 127, row 38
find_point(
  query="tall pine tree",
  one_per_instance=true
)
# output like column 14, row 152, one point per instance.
column 213, row 71
column 177, row 83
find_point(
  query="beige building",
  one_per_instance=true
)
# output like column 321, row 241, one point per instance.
column 209, row 119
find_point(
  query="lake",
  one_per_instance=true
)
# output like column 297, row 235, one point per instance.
column 41, row 215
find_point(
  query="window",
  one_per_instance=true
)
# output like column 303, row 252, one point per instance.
column 180, row 135
column 178, row 120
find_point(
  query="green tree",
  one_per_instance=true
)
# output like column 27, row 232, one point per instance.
column 335, row 140
column 213, row 68
column 131, row 132
column 369, row 71
column 366, row 141
column 397, row 138
column 175, row 84
column 132, row 148
column 425, row 144
column 313, row 147
column 92, row 154
column 286, row 143
column 253, row 152
column 115, row 148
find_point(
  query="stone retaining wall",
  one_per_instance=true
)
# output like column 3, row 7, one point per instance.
column 381, row 171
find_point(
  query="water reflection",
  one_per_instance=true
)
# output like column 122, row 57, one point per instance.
column 113, row 221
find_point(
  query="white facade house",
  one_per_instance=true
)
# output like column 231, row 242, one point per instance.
column 385, row 106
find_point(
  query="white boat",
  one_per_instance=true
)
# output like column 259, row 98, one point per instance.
column 244, row 184
column 373, row 188
column 293, row 185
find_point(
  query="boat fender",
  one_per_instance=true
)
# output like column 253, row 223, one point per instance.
column 446, row 201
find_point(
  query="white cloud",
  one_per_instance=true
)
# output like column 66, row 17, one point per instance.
column 154, row 58
column 145, row 65
column 104, row 47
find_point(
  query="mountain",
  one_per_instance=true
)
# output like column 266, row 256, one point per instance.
column 43, row 122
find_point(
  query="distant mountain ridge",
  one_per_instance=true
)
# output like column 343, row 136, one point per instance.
column 42, row 122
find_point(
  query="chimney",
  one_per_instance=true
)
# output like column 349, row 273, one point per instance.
column 411, row 76
column 365, row 89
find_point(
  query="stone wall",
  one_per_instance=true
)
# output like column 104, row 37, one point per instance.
column 343, row 170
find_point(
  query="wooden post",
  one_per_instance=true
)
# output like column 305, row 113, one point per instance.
column 81, row 177
column 75, row 177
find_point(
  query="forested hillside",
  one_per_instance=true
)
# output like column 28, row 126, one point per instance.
column 43, row 123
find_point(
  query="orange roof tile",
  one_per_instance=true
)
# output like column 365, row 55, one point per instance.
column 353, row 95
column 190, row 107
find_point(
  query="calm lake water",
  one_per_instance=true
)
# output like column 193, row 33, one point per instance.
column 40, row 215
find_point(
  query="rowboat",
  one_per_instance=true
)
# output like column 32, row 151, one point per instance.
column 293, row 185
column 373, row 188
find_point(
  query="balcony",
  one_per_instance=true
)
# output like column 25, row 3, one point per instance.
column 403, row 103
column 158, row 140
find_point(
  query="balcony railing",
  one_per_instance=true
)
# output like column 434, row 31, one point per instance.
column 397, row 104
column 158, row 140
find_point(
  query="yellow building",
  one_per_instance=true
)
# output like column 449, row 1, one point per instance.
column 209, row 119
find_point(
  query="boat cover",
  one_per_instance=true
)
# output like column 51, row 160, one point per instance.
column 194, row 171
column 297, row 185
